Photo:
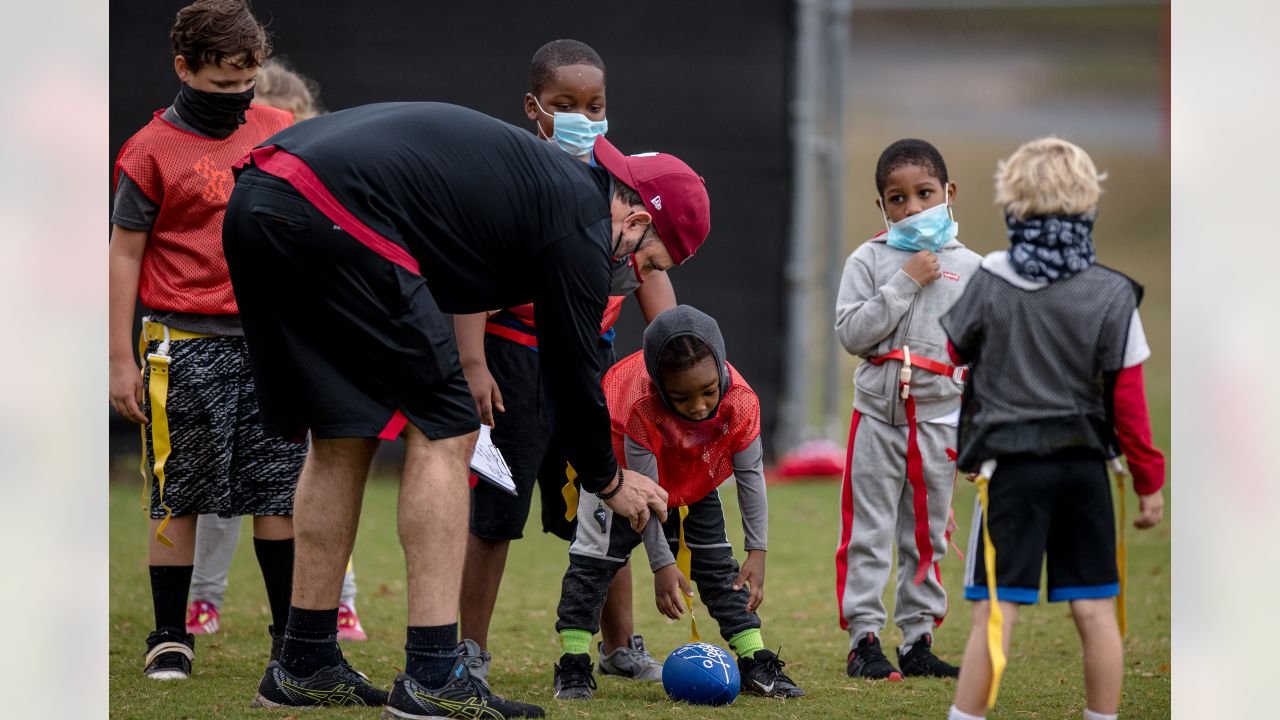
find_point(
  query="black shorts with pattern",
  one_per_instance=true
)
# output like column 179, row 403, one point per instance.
column 220, row 461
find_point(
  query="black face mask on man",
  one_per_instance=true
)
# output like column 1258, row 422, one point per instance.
column 214, row 114
column 626, row 275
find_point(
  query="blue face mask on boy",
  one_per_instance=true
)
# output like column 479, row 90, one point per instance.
column 926, row 230
column 575, row 133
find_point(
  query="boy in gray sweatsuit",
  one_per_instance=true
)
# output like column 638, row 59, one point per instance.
column 900, row 467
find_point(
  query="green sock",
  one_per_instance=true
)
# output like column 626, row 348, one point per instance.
column 747, row 642
column 577, row 642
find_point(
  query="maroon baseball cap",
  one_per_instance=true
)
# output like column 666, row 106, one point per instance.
column 672, row 192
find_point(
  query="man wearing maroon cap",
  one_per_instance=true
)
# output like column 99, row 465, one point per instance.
column 348, row 237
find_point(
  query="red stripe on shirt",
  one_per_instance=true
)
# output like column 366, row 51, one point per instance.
column 274, row 160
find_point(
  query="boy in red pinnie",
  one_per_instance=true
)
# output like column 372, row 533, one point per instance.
column 685, row 417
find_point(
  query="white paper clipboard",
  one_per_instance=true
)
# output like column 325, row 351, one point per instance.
column 489, row 465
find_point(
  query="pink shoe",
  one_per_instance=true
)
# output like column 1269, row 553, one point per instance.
column 349, row 624
column 202, row 618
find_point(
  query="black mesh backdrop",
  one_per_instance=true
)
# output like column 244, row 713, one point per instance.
column 707, row 81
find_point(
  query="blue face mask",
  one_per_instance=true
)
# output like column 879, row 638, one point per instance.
column 926, row 230
column 575, row 133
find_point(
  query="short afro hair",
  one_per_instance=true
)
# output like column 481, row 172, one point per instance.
column 909, row 151
column 557, row 54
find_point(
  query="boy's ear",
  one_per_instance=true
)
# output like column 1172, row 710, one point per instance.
column 530, row 107
column 951, row 193
column 181, row 67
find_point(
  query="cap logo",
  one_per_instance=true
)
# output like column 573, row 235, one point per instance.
column 657, row 202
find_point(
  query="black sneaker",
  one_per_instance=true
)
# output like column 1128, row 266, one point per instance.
column 866, row 660
column 572, row 678
column 762, row 675
column 169, row 655
column 919, row 661
column 463, row 696
column 334, row 685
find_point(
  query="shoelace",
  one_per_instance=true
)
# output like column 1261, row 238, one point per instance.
column 774, row 665
column 639, row 657
column 579, row 674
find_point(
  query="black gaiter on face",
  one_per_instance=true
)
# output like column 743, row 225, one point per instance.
column 214, row 114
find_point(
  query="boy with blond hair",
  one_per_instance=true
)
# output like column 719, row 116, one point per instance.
column 1055, row 348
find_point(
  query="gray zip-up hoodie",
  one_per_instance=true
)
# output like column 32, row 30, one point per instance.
column 880, row 309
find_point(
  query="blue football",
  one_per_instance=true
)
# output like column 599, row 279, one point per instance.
column 702, row 674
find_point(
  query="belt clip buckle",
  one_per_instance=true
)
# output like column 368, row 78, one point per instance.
column 959, row 375
column 904, row 375
column 162, row 350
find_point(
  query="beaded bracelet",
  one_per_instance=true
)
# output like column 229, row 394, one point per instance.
column 616, row 488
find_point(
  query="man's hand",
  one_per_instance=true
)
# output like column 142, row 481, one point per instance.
column 923, row 268
column 639, row 496
column 670, row 589
column 484, row 390
column 752, row 575
column 1150, row 510
column 126, row 391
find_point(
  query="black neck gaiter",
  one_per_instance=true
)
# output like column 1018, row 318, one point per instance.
column 214, row 114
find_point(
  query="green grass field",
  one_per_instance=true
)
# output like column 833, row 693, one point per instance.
column 1043, row 680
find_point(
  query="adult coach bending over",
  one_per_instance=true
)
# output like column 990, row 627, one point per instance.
column 348, row 238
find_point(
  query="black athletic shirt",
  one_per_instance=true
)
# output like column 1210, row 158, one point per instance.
column 495, row 218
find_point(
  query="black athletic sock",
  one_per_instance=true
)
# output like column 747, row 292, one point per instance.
column 275, row 557
column 169, row 587
column 310, row 641
column 430, row 653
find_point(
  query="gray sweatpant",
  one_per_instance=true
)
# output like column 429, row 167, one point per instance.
column 216, row 539
column 876, row 512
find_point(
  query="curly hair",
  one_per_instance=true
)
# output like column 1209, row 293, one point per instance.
column 210, row 32
column 1048, row 176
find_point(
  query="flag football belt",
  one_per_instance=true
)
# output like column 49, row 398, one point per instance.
column 158, row 393
column 995, row 617
column 915, row 461
column 684, row 563
column 684, row 557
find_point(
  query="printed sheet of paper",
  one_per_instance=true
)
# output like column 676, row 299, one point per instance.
column 489, row 465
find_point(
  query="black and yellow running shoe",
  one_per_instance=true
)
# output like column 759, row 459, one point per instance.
column 462, row 696
column 334, row 685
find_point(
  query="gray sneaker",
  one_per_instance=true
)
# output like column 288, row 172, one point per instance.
column 476, row 660
column 632, row 662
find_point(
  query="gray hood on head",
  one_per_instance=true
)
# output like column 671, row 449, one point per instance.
column 683, row 320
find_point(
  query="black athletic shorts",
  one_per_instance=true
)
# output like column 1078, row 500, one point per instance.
column 343, row 342
column 1057, row 506
column 525, row 434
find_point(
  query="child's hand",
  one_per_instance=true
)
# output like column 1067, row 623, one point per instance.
column 126, row 391
column 1150, row 510
column 484, row 390
column 752, row 575
column 923, row 268
column 670, row 589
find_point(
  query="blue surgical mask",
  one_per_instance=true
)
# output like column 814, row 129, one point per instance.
column 926, row 230
column 575, row 133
